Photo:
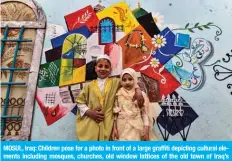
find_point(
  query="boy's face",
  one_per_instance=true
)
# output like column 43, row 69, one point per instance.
column 103, row 68
column 127, row 82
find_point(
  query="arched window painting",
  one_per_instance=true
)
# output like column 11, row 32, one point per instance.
column 106, row 31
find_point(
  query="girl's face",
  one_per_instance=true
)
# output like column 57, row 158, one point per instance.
column 103, row 68
column 127, row 81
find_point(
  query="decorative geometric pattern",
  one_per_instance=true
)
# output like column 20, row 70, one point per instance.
column 222, row 73
column 49, row 74
column 186, row 66
column 50, row 98
column 73, row 62
column 13, row 125
column 152, row 87
column 51, row 105
column 58, row 41
column 176, row 116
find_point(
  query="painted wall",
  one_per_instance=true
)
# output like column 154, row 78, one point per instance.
column 212, row 101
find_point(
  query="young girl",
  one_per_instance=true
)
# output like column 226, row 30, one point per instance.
column 131, row 122
column 95, row 103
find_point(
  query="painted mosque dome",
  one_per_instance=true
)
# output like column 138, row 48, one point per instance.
column 138, row 12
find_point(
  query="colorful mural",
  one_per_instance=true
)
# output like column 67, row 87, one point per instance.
column 167, row 56
column 186, row 65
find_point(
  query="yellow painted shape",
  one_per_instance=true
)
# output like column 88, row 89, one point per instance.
column 66, row 62
column 70, row 41
column 66, row 76
column 121, row 14
column 79, row 74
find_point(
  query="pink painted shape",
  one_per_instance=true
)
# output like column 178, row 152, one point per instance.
column 55, row 111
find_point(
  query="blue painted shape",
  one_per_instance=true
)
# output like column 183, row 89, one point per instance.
column 165, row 53
column 74, row 110
column 177, row 72
column 58, row 41
column 106, row 37
column 69, row 54
column 106, row 31
column 182, row 40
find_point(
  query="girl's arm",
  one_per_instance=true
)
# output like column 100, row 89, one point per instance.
column 145, row 119
column 115, row 120
column 115, row 135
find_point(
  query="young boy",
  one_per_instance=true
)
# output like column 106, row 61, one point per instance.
column 96, row 100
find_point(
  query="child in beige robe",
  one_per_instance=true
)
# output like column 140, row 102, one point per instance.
column 131, row 122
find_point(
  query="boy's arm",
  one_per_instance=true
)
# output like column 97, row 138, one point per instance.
column 97, row 115
column 82, row 100
column 139, row 97
column 83, row 108
column 138, row 93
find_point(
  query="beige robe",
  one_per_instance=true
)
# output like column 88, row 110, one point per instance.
column 130, row 121
column 88, row 129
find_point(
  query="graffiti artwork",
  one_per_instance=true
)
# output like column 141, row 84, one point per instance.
column 222, row 72
column 186, row 65
column 165, row 57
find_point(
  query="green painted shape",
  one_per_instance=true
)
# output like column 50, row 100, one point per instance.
column 49, row 74
column 138, row 12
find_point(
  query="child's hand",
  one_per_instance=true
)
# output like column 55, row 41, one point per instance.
column 146, row 133
column 146, row 137
column 96, row 115
column 115, row 135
